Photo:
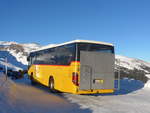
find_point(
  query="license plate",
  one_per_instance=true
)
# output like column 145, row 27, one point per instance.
column 99, row 81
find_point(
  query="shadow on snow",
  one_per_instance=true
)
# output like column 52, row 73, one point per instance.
column 126, row 86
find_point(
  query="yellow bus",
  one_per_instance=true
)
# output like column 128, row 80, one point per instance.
column 78, row 67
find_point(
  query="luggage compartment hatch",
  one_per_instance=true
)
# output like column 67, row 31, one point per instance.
column 96, row 70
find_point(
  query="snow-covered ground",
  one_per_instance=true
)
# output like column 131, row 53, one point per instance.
column 135, row 102
column 21, row 97
column 135, row 99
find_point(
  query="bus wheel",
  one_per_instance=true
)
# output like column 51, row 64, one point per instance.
column 51, row 85
column 32, row 80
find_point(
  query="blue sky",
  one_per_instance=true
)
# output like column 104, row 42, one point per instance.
column 125, row 23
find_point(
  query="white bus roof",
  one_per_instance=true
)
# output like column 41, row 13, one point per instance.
column 74, row 41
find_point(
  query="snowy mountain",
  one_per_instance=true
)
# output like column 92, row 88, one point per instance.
column 132, row 63
column 17, row 55
column 132, row 68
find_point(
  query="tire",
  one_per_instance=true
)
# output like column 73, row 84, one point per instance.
column 32, row 80
column 51, row 85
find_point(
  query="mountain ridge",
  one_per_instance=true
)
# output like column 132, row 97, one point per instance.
column 18, row 53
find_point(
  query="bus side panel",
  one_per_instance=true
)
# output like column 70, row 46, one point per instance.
column 62, row 76
column 47, row 71
column 31, row 71
column 35, row 72
column 68, row 85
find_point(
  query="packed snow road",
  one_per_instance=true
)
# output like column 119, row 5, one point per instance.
column 21, row 97
column 133, row 97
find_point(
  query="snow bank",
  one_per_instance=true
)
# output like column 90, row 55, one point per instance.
column 147, row 85
column 148, row 75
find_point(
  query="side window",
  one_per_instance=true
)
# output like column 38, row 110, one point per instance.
column 46, row 57
column 65, row 54
column 30, row 61
column 50, row 56
column 39, row 58
column 33, row 59
column 62, row 55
